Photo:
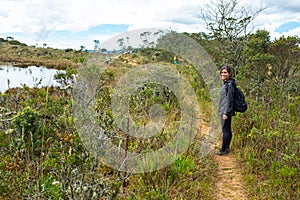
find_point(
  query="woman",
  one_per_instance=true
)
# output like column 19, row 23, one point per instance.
column 226, row 109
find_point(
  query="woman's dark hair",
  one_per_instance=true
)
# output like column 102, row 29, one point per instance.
column 228, row 68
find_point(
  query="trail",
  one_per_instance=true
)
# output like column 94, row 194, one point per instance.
column 230, row 185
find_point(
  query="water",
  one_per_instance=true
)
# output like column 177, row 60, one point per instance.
column 30, row 76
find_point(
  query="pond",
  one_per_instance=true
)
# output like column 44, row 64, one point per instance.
column 11, row 77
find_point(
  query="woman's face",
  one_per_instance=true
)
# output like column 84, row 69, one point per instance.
column 224, row 75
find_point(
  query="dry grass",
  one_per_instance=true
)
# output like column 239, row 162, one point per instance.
column 24, row 56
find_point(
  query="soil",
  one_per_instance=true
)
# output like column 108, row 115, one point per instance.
column 230, row 185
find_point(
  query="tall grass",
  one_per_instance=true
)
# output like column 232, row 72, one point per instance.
column 268, row 138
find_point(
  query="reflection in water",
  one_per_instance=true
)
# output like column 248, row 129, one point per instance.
column 11, row 77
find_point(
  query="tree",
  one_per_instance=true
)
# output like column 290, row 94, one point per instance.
column 271, row 66
column 9, row 38
column 145, row 37
column 229, row 25
column 121, row 43
column 103, row 50
column 96, row 46
column 82, row 48
column 257, row 57
column 285, row 70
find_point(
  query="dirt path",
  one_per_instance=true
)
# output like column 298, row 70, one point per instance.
column 230, row 184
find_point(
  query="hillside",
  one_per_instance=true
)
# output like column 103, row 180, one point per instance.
column 19, row 54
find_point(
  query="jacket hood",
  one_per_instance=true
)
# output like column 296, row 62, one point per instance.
column 231, row 80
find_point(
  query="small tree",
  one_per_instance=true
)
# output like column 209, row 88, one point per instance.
column 82, row 48
column 9, row 38
column 258, row 59
column 285, row 70
column 66, row 79
column 121, row 43
column 27, row 124
column 229, row 25
column 96, row 46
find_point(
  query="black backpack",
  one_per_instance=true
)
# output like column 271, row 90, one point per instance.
column 240, row 104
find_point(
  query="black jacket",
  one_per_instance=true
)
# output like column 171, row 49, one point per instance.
column 227, row 98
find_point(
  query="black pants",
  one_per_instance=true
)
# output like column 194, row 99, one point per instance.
column 227, row 133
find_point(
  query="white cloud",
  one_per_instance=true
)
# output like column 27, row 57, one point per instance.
column 79, row 15
column 279, row 13
column 39, row 18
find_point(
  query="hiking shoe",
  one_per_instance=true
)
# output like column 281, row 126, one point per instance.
column 221, row 153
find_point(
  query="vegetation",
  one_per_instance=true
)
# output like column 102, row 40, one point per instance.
column 267, row 136
column 19, row 54
column 43, row 157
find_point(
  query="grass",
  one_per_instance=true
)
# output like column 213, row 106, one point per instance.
column 24, row 56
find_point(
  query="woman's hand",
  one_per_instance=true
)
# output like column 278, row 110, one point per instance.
column 225, row 117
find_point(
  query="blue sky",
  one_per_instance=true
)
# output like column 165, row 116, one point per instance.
column 75, row 23
column 287, row 26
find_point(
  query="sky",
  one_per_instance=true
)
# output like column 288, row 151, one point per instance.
column 75, row 23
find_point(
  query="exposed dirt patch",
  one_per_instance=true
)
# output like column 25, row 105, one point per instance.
column 230, row 185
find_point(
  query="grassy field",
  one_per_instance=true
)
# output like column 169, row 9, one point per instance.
column 42, row 155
